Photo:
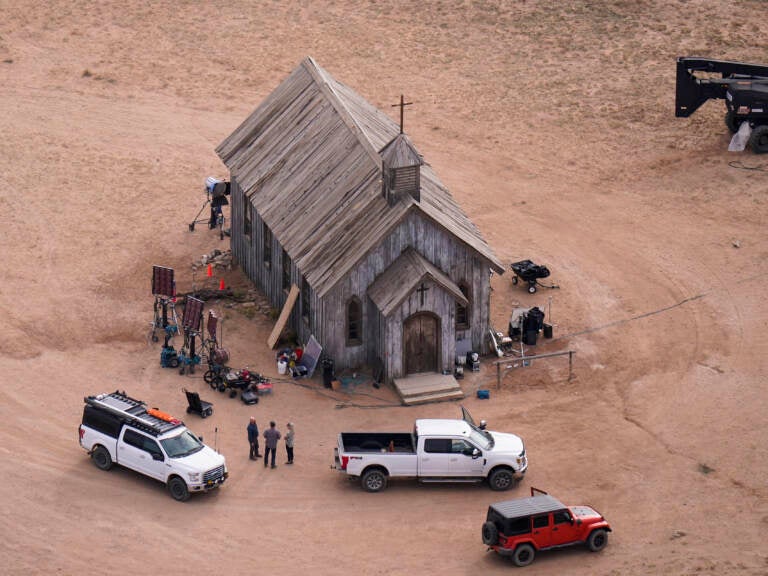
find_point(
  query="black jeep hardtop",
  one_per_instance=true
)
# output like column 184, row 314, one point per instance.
column 539, row 504
column 511, row 516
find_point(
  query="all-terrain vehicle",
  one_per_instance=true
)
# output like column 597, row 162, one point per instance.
column 522, row 527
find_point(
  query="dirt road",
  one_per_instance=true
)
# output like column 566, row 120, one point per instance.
column 553, row 127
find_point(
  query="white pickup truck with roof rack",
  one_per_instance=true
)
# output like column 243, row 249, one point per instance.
column 438, row 450
column 117, row 429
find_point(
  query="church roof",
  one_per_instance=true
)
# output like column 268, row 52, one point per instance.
column 309, row 160
column 398, row 281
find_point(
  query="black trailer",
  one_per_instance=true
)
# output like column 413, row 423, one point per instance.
column 529, row 272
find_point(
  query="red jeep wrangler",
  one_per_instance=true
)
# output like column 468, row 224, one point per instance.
column 519, row 528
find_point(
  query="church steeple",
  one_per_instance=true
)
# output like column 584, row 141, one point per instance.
column 401, row 169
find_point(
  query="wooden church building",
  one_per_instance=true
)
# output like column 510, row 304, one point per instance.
column 327, row 195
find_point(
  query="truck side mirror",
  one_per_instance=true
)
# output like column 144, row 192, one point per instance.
column 157, row 456
column 476, row 453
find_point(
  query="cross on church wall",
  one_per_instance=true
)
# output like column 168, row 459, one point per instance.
column 421, row 290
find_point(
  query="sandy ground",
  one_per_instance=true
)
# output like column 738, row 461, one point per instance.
column 554, row 128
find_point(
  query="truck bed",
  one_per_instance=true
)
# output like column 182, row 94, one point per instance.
column 401, row 442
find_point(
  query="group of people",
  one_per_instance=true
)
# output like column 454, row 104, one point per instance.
column 271, row 437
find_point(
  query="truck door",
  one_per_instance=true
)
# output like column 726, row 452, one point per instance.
column 136, row 451
column 467, row 460
column 435, row 457
column 467, row 417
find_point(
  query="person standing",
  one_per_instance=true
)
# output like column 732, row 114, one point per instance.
column 271, row 436
column 289, row 442
column 253, row 439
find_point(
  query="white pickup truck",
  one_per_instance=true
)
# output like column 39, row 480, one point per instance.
column 438, row 450
column 117, row 429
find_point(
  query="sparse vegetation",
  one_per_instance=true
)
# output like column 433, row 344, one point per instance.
column 247, row 311
column 552, row 125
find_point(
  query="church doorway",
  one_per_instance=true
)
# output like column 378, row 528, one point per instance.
column 421, row 334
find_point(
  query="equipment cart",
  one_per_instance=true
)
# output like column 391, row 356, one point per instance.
column 529, row 272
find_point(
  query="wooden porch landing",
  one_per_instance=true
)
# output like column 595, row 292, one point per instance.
column 429, row 387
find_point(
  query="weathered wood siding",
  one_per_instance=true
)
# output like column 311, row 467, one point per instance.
column 456, row 259
column 382, row 338
column 308, row 157
column 248, row 251
column 436, row 300
column 308, row 161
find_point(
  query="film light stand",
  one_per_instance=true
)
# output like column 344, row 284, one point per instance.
column 164, row 291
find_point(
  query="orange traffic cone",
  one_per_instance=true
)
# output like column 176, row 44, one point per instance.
column 221, row 284
column 209, row 273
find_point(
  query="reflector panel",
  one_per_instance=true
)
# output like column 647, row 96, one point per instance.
column 162, row 281
column 193, row 314
column 212, row 324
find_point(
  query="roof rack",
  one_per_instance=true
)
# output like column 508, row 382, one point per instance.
column 133, row 412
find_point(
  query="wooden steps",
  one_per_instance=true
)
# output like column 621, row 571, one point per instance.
column 424, row 388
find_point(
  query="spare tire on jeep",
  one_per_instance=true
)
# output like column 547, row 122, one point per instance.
column 490, row 534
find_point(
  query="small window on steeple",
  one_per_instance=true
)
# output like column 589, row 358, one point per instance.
column 401, row 165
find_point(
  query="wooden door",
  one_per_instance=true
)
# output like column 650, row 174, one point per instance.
column 420, row 334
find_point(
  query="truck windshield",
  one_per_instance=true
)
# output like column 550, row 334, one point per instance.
column 184, row 444
column 481, row 438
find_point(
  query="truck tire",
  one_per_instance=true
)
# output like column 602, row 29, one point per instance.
column 101, row 458
column 758, row 141
column 523, row 555
column 731, row 122
column 178, row 489
column 598, row 539
column 374, row 480
column 501, row 479
column 490, row 534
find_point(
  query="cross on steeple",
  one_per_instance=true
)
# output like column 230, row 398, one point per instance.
column 421, row 289
column 402, row 106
